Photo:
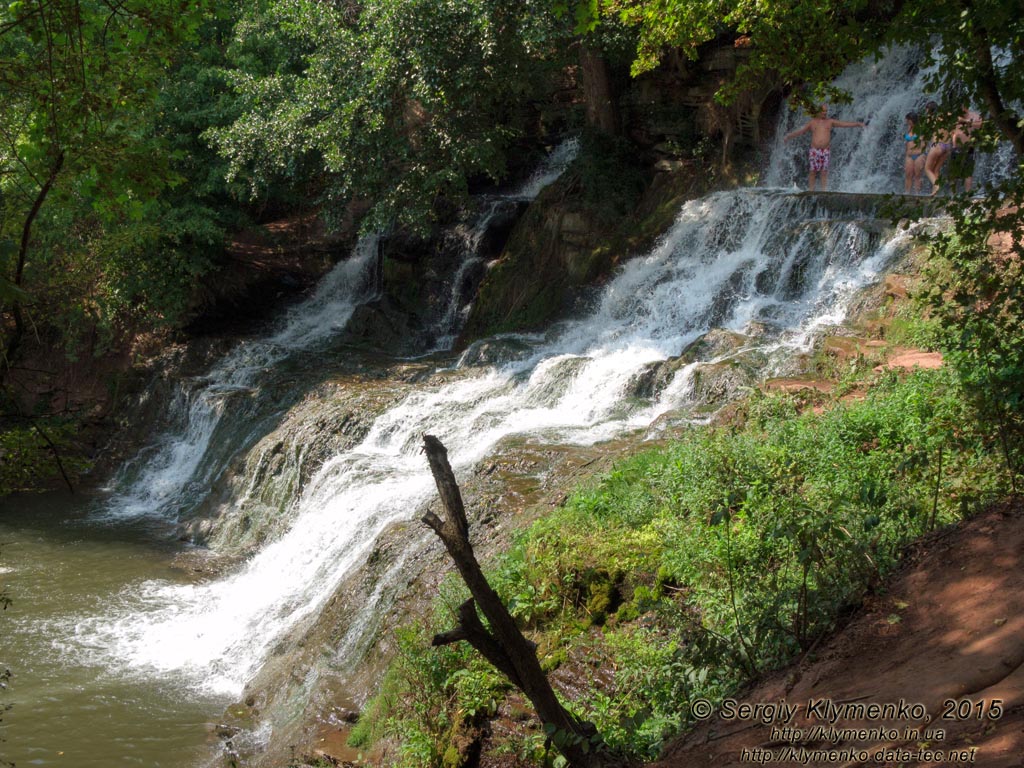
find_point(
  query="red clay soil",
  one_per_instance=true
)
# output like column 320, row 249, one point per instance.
column 911, row 358
column 950, row 626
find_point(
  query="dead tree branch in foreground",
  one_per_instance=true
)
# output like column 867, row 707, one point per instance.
column 504, row 645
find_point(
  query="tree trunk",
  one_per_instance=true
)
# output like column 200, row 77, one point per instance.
column 597, row 92
column 1005, row 119
column 988, row 84
column 26, row 236
column 504, row 645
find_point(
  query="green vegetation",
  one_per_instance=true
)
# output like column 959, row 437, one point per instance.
column 110, row 210
column 84, row 228
column 394, row 102
column 975, row 295
column 454, row 690
column 691, row 569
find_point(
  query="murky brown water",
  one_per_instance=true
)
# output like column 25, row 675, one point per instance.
column 68, row 709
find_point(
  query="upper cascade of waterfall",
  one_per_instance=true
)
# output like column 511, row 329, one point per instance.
column 869, row 160
column 774, row 265
column 172, row 476
column 553, row 166
column 460, row 299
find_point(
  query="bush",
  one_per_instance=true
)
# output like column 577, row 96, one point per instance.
column 977, row 301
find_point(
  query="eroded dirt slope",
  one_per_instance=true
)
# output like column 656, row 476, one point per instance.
column 950, row 625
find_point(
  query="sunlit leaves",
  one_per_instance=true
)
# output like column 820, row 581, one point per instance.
column 397, row 104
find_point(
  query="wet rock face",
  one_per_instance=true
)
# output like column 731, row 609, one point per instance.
column 422, row 277
column 251, row 501
column 721, row 368
column 383, row 325
column 562, row 246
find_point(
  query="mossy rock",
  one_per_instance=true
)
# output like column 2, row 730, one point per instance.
column 715, row 383
column 565, row 243
column 603, row 594
column 714, row 343
column 464, row 746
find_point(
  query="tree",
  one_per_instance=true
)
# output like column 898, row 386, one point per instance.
column 76, row 77
column 975, row 45
column 393, row 102
column 87, row 237
column 503, row 644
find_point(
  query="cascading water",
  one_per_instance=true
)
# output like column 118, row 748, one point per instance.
column 554, row 165
column 787, row 263
column 730, row 259
column 173, row 475
column 460, row 299
column 870, row 159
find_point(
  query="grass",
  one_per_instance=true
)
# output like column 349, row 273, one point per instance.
column 690, row 570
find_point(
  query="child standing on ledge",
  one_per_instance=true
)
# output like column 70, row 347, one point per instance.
column 821, row 141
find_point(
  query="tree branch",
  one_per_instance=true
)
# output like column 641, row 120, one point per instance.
column 503, row 645
column 26, row 234
column 1005, row 119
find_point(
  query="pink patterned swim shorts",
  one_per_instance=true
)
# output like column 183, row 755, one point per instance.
column 819, row 159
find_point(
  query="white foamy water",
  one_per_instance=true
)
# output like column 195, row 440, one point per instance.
column 554, row 165
column 730, row 259
column 787, row 262
column 871, row 159
column 176, row 472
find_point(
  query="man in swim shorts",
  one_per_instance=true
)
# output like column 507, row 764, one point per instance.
column 821, row 141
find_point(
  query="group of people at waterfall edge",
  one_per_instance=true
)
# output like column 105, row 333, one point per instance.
column 922, row 157
column 927, row 158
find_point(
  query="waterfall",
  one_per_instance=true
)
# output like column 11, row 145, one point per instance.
column 870, row 160
column 554, row 165
column 461, row 296
column 783, row 262
column 173, row 475
column 729, row 260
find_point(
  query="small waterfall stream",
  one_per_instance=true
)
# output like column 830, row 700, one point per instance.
column 172, row 476
column 461, row 297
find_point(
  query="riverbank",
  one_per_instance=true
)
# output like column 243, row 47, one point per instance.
column 945, row 632
column 691, row 571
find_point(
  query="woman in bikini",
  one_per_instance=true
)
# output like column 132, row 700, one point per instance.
column 938, row 152
column 914, row 157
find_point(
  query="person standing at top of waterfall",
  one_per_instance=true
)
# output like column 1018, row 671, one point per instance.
column 913, row 157
column 940, row 149
column 821, row 127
